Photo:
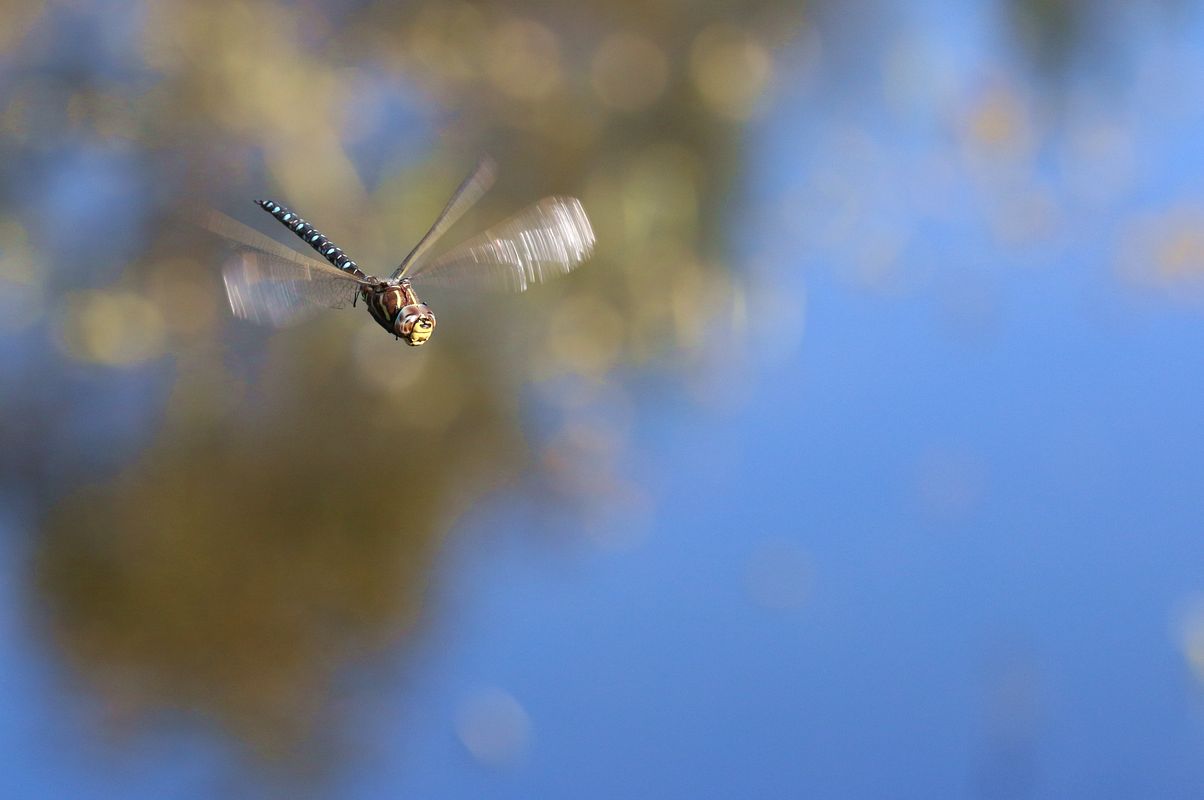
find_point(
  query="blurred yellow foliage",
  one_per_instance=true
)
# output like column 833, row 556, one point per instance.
column 731, row 70
column 116, row 328
column 1165, row 248
column 19, row 17
column 629, row 72
column 998, row 122
column 523, row 59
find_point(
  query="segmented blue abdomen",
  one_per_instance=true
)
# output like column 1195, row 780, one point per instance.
column 311, row 236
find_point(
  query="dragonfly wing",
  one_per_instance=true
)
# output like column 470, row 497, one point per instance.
column 542, row 241
column 275, row 291
column 272, row 284
column 235, row 231
column 464, row 198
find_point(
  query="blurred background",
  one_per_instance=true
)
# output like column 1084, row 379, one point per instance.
column 864, row 460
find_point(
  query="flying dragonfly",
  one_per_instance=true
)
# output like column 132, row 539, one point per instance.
column 272, row 284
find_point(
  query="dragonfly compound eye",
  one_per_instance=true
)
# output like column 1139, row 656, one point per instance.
column 416, row 326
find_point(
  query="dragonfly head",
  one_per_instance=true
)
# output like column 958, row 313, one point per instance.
column 415, row 323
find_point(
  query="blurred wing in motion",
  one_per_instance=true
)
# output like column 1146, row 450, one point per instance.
column 272, row 291
column 464, row 198
column 540, row 242
column 275, row 285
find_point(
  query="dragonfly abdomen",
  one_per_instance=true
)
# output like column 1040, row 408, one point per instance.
column 312, row 237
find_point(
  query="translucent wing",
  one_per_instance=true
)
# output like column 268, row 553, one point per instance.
column 468, row 193
column 275, row 285
column 542, row 241
column 275, row 291
column 236, row 232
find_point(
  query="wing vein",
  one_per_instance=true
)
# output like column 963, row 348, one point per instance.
column 271, row 284
column 543, row 240
column 464, row 198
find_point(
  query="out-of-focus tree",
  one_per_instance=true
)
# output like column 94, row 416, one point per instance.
column 1051, row 30
column 265, row 510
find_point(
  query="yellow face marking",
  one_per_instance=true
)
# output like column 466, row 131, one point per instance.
column 423, row 327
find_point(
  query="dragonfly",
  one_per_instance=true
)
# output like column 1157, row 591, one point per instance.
column 269, row 283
